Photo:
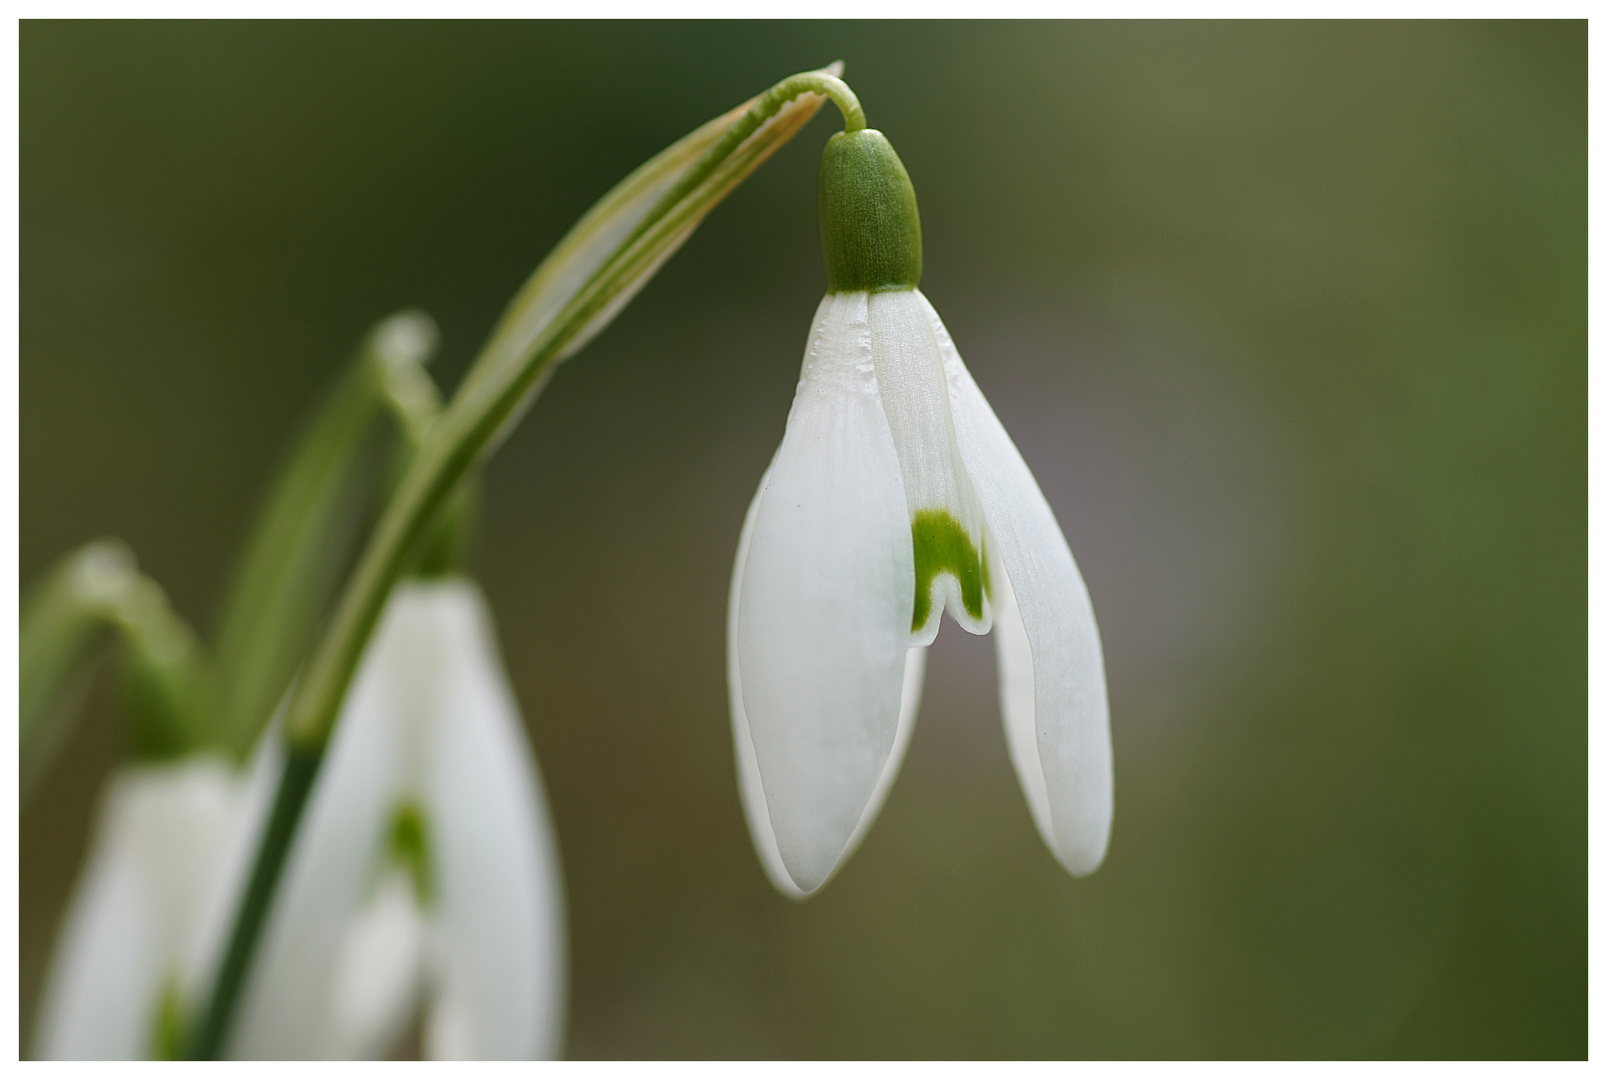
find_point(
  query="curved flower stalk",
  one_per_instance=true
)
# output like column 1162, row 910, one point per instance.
column 607, row 257
column 426, row 875
column 896, row 495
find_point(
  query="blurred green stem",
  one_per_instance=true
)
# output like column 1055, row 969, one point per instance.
column 306, row 531
column 580, row 287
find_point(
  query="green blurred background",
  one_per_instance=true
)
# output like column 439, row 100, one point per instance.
column 1289, row 319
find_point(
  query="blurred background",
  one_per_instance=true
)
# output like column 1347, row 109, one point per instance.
column 1289, row 320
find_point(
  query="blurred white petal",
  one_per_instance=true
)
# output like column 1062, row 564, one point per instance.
column 499, row 904
column 430, row 721
column 337, row 857
column 378, row 970
column 157, row 860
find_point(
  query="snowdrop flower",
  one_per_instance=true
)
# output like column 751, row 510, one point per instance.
column 147, row 914
column 426, row 869
column 425, row 875
column 896, row 495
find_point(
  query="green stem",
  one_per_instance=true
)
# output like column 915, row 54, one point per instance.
column 509, row 373
column 309, row 526
column 764, row 107
column 295, row 784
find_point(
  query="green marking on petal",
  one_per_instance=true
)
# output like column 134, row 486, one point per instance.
column 942, row 547
column 167, row 1038
column 410, row 846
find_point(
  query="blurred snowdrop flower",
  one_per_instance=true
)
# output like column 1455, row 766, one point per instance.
column 895, row 495
column 139, row 934
column 424, row 883
column 426, row 873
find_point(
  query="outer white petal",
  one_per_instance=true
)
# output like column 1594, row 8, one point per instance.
column 823, row 607
column 909, row 704
column 1016, row 695
column 157, row 858
column 1070, row 715
column 500, row 908
column 338, row 857
column 748, row 782
column 106, row 979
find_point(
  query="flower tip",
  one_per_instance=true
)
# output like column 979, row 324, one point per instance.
column 1083, row 851
column 103, row 570
column 808, row 879
column 1082, row 862
column 409, row 336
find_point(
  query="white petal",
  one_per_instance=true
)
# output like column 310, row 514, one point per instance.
column 339, row 854
column 430, row 719
column 106, row 978
column 914, row 393
column 378, row 970
column 449, row 1031
column 500, row 890
column 1016, row 696
column 909, row 704
column 748, row 782
column 823, row 611
column 1070, row 715
column 157, row 857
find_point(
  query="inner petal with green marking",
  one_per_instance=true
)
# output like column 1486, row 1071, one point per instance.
column 942, row 547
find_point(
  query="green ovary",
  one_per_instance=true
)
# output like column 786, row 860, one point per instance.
column 942, row 547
